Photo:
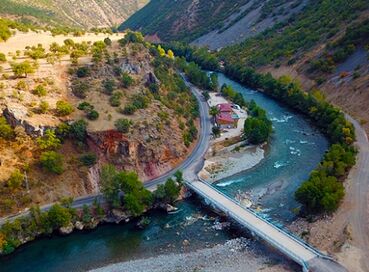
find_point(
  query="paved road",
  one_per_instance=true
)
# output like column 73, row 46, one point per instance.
column 358, row 194
column 190, row 166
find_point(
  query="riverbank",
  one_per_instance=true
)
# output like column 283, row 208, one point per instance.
column 228, row 154
column 235, row 255
column 231, row 160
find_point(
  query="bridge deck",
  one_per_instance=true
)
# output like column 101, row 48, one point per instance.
column 295, row 249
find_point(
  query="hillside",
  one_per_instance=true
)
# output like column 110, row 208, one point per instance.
column 321, row 51
column 70, row 106
column 81, row 13
column 222, row 22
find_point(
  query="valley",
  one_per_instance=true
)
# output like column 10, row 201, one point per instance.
column 115, row 113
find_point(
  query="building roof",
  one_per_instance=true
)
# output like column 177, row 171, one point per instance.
column 224, row 117
column 225, row 107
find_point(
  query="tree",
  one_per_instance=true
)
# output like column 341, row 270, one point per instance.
column 49, row 140
column 78, row 130
column 214, row 111
column 59, row 216
column 22, row 69
column 107, row 41
column 109, row 86
column 216, row 131
column 133, row 204
column 52, row 162
column 63, row 108
column 170, row 54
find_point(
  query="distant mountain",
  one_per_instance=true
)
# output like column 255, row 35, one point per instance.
column 78, row 13
column 222, row 22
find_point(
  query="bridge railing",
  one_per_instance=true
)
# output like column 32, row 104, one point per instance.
column 269, row 239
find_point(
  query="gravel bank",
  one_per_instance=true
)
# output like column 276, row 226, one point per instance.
column 235, row 255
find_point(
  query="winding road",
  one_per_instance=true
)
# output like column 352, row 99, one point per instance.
column 358, row 194
column 190, row 166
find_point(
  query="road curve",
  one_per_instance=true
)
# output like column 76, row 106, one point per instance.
column 190, row 166
column 358, row 194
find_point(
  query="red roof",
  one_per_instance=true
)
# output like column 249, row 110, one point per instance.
column 225, row 107
column 225, row 118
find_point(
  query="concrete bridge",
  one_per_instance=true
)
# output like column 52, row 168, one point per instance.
column 309, row 258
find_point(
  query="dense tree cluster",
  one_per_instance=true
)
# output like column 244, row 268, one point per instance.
column 258, row 127
column 237, row 98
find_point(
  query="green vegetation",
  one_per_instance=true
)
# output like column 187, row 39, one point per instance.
column 123, row 125
column 40, row 90
column 63, row 108
column 356, row 36
column 23, row 69
column 6, row 131
column 52, row 162
column 80, row 89
column 49, row 141
column 88, row 159
column 330, row 119
column 235, row 97
column 168, row 192
column 136, row 198
column 319, row 21
column 258, row 127
column 126, row 80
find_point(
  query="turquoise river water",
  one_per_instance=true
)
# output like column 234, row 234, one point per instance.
column 295, row 149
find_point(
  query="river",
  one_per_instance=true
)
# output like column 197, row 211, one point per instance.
column 295, row 149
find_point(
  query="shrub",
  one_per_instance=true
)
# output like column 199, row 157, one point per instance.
column 40, row 90
column 2, row 57
column 43, row 107
column 129, row 109
column 6, row 131
column 52, row 162
column 80, row 89
column 85, row 106
column 126, row 80
column 123, row 125
column 140, row 101
column 83, row 72
column 15, row 180
column 63, row 108
column 48, row 140
column 115, row 99
column 92, row 115
column 88, row 159
column 109, row 86
column 107, row 41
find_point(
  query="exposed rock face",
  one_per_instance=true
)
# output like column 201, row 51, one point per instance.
column 66, row 230
column 16, row 115
column 142, row 153
column 79, row 225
